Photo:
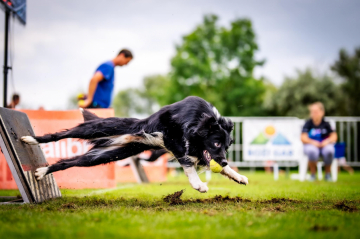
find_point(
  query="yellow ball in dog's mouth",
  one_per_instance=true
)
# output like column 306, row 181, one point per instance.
column 215, row 167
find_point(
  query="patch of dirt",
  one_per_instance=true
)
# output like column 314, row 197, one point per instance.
column 320, row 228
column 280, row 200
column 219, row 198
column 343, row 207
column 175, row 199
column 68, row 206
column 227, row 199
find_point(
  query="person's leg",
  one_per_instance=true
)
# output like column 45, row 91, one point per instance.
column 312, row 152
column 327, row 153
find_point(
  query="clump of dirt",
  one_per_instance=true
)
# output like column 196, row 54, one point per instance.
column 280, row 200
column 343, row 207
column 175, row 199
column 320, row 228
column 68, row 206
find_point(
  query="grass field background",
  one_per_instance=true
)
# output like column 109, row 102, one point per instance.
column 281, row 209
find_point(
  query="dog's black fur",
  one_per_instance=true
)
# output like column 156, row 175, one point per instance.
column 187, row 129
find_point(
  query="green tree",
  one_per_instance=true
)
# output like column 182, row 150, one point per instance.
column 213, row 62
column 296, row 93
column 144, row 100
column 124, row 103
column 217, row 63
column 348, row 67
column 155, row 90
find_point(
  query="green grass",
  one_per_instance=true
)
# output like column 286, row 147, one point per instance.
column 138, row 211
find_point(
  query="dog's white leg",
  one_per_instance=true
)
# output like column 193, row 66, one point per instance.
column 230, row 173
column 41, row 172
column 194, row 179
column 29, row 140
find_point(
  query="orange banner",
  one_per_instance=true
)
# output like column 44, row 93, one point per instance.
column 102, row 176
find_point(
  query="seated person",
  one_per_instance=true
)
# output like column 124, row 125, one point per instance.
column 15, row 100
column 319, row 139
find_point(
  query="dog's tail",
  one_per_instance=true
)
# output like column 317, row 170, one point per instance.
column 88, row 115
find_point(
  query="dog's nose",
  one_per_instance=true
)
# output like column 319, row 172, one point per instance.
column 224, row 162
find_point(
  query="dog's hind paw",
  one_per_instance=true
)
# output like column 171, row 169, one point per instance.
column 40, row 173
column 29, row 140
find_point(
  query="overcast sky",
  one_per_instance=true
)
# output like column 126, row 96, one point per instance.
column 64, row 41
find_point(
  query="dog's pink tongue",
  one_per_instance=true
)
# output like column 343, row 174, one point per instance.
column 207, row 155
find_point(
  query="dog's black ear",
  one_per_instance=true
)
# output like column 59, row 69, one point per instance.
column 206, row 124
column 88, row 115
column 226, row 124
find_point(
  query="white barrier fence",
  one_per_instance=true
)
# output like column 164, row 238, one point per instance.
column 346, row 127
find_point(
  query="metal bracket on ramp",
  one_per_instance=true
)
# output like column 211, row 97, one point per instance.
column 136, row 168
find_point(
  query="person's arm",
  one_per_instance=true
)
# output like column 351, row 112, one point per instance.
column 332, row 139
column 98, row 76
column 306, row 140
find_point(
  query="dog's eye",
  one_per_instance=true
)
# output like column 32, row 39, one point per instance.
column 217, row 145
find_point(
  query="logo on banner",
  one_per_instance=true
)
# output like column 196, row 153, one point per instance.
column 269, row 135
column 266, row 139
column 65, row 148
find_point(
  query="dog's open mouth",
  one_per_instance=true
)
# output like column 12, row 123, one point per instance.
column 207, row 156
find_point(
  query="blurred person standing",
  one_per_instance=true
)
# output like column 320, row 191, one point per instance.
column 101, row 85
column 15, row 100
column 319, row 139
column 340, row 156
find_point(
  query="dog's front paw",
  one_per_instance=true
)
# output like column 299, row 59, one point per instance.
column 201, row 187
column 241, row 179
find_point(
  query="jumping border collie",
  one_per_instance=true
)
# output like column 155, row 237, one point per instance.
column 192, row 130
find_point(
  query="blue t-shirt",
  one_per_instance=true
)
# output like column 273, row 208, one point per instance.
column 104, row 89
column 318, row 132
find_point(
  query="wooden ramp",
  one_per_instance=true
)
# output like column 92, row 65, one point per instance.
column 24, row 159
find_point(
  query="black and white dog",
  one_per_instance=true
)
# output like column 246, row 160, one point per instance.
column 192, row 130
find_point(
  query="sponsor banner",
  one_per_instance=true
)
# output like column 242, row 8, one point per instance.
column 44, row 122
column 266, row 139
